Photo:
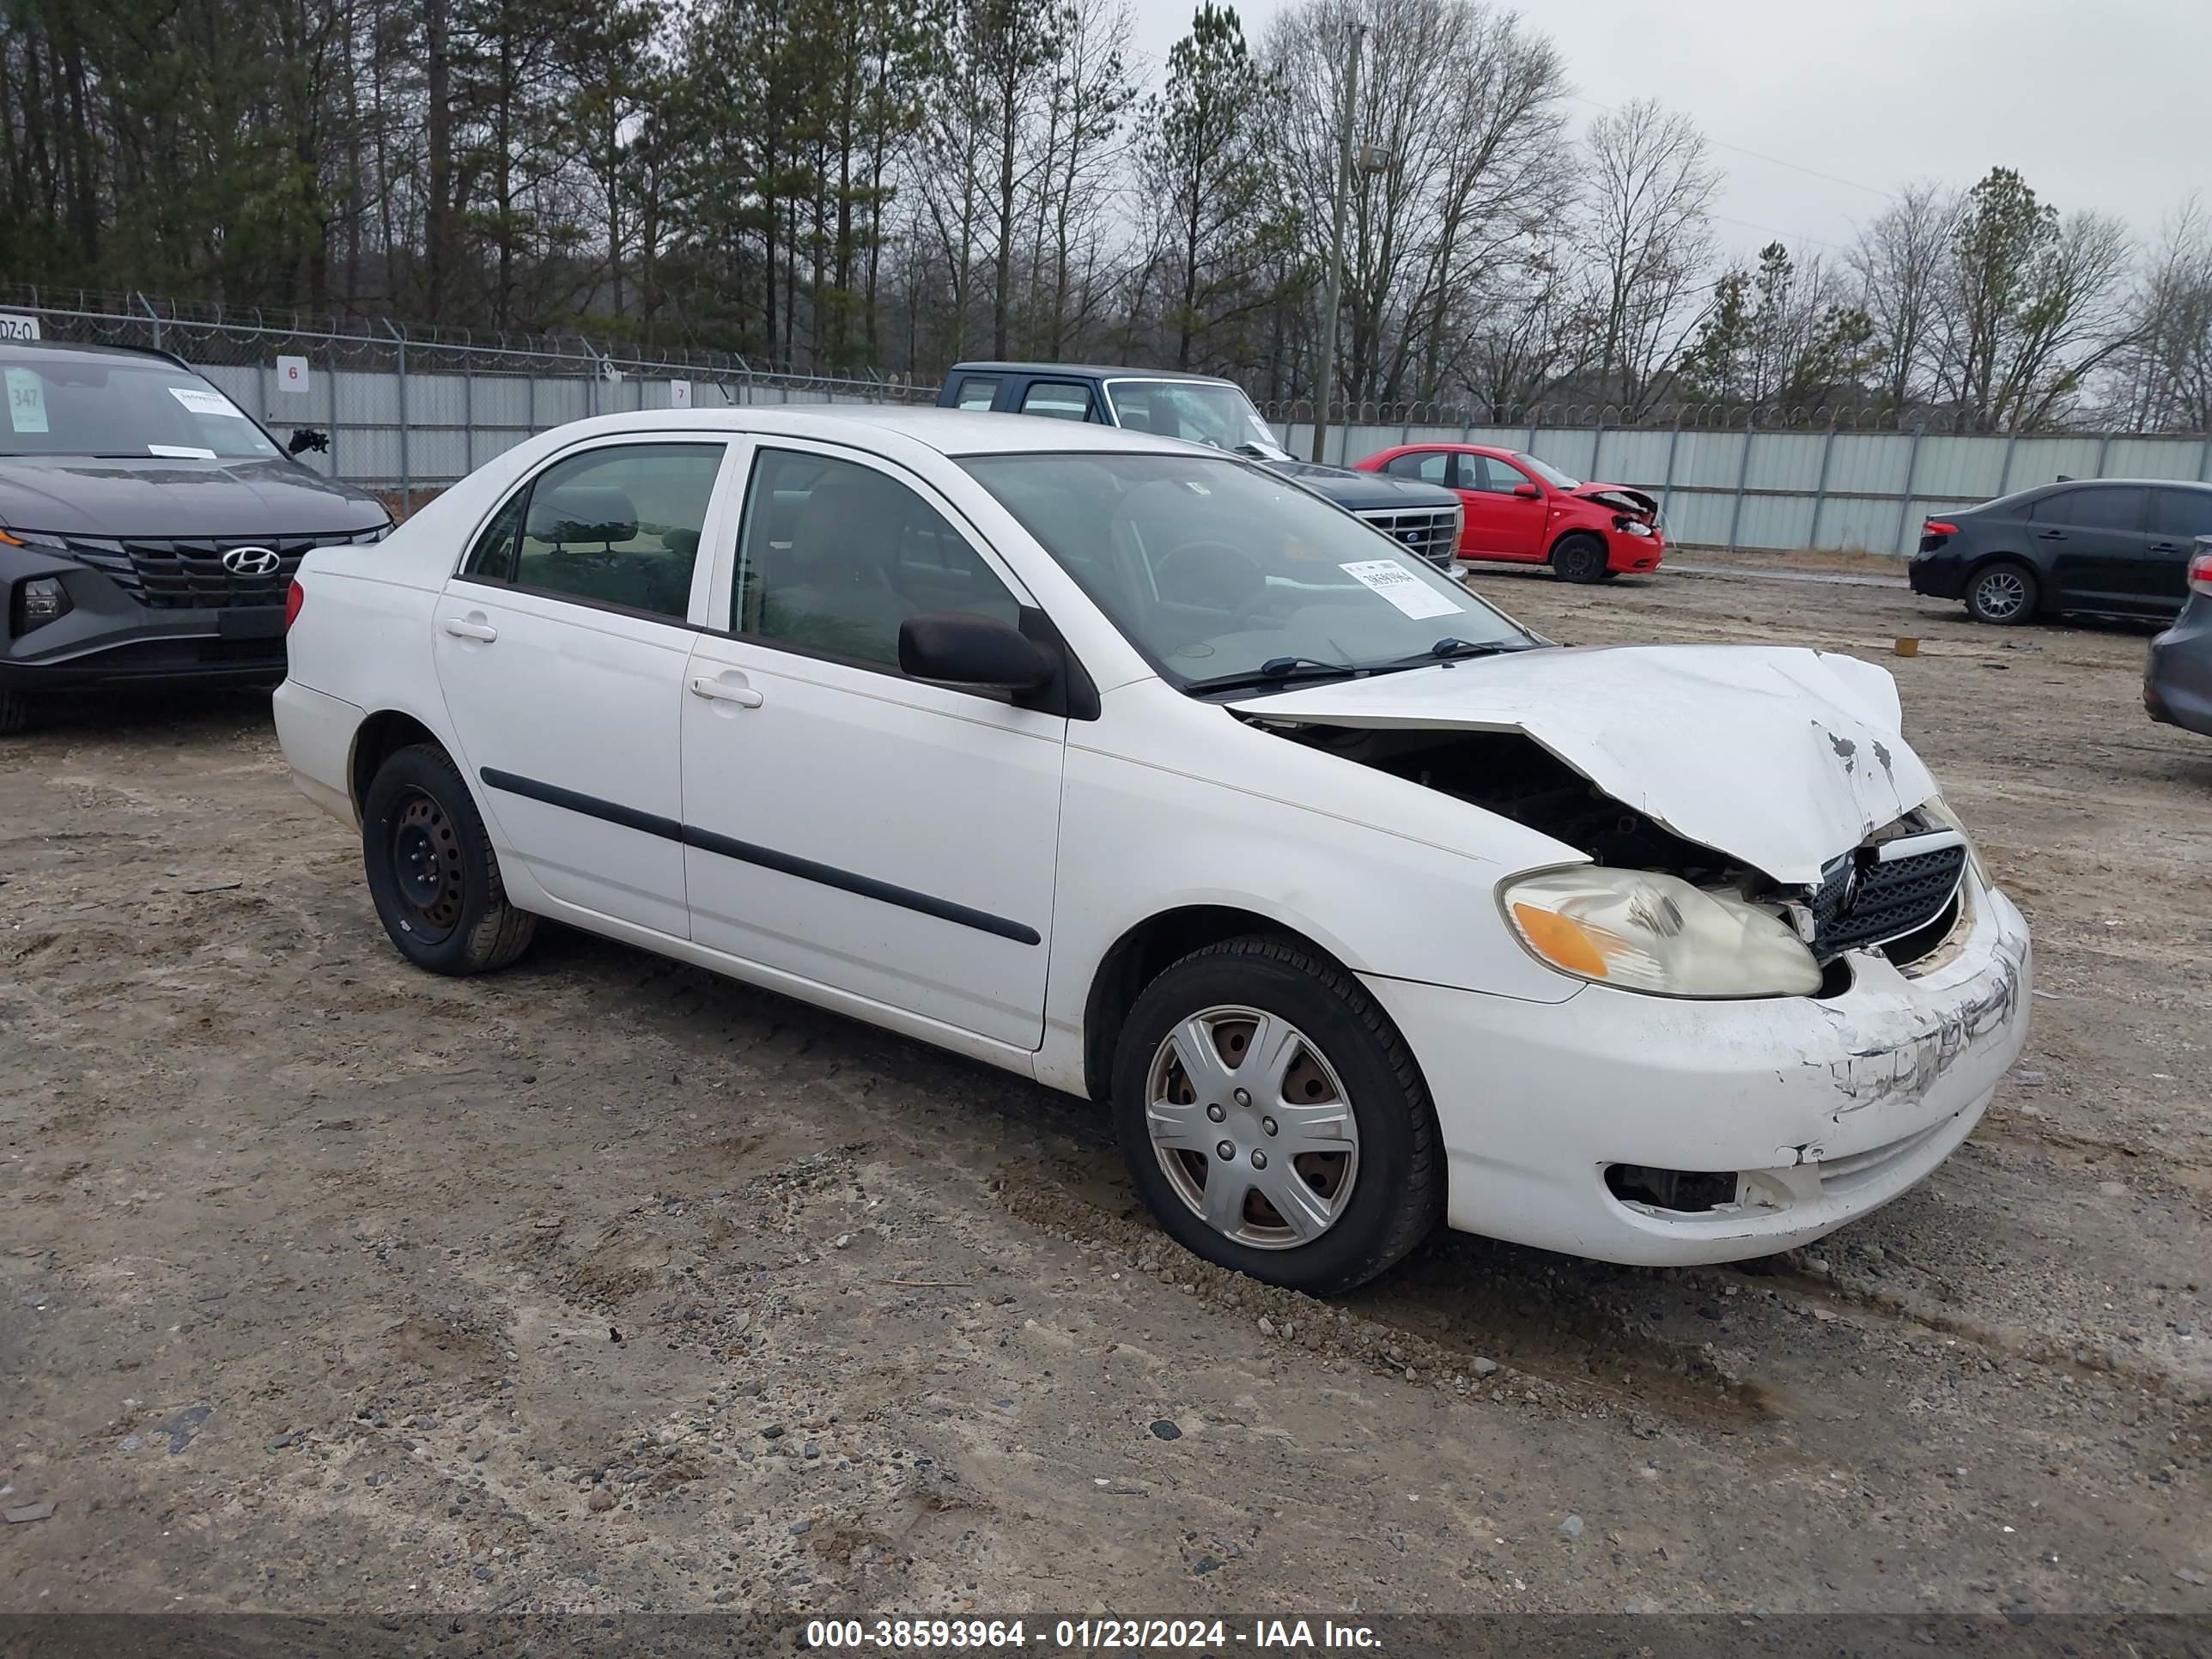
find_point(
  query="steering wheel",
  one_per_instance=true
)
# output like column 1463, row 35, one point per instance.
column 1256, row 576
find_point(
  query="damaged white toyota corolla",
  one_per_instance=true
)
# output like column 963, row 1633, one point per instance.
column 1137, row 770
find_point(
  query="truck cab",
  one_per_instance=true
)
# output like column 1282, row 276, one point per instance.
column 1204, row 409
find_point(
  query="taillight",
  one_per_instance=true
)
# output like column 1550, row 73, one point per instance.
column 1937, row 527
column 295, row 597
column 2200, row 575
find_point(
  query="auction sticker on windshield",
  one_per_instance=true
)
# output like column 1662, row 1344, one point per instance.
column 26, row 401
column 1399, row 585
column 206, row 402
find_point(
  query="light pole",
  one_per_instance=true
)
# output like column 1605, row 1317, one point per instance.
column 1334, row 296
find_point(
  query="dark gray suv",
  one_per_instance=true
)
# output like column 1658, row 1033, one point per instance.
column 148, row 527
column 2178, row 675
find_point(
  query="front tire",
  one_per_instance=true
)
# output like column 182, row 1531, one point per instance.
column 1580, row 559
column 15, row 713
column 1261, row 1046
column 432, row 871
column 2004, row 594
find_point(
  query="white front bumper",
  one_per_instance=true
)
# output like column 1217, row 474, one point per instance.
column 1829, row 1108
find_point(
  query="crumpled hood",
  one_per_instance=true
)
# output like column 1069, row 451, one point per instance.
column 1777, row 756
column 1621, row 496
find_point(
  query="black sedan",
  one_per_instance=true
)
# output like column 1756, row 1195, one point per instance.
column 2178, row 678
column 2111, row 548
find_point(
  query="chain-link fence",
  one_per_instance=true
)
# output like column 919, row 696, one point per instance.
column 409, row 409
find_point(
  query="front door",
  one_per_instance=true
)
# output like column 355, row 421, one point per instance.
column 1501, row 523
column 844, row 824
column 2094, row 535
column 561, row 647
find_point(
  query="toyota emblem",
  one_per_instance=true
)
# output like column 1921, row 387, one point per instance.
column 250, row 561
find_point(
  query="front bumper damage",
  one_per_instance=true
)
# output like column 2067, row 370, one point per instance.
column 1790, row 1116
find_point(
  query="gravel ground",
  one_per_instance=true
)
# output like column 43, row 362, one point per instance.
column 603, row 1284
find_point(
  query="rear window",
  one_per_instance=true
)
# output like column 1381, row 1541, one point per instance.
column 60, row 404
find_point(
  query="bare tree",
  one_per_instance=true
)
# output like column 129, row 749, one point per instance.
column 1459, row 117
column 2166, row 369
column 1646, row 233
column 1898, row 260
column 2029, row 305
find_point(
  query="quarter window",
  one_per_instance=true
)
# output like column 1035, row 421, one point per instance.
column 835, row 556
column 614, row 526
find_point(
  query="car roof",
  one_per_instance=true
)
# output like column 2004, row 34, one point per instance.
column 33, row 351
column 1091, row 371
column 951, row 432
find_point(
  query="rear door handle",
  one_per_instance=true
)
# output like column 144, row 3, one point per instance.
column 469, row 628
column 706, row 685
column 2051, row 536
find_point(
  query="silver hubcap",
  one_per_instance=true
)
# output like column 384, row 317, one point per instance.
column 1252, row 1127
column 2001, row 593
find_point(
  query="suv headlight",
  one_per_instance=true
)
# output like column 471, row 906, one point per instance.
column 1644, row 932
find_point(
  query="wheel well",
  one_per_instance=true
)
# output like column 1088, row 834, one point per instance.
column 1138, row 959
column 381, row 736
column 2020, row 559
column 1581, row 531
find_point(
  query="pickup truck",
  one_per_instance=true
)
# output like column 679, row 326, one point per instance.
column 1202, row 408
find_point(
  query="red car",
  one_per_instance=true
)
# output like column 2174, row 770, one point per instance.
column 1521, row 511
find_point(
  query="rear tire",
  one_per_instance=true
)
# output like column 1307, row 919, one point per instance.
column 432, row 871
column 1579, row 558
column 15, row 713
column 2004, row 594
column 1302, row 1062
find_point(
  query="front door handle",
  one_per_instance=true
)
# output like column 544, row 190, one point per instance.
column 2051, row 536
column 2168, row 547
column 706, row 685
column 470, row 628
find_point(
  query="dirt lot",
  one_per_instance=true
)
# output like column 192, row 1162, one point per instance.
column 604, row 1284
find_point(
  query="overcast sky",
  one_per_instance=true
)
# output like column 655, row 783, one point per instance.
column 2099, row 103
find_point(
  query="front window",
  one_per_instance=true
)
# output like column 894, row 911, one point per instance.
column 1223, row 573
column 119, row 408
column 1550, row 474
column 1201, row 411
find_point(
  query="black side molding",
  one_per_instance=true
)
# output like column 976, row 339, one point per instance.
column 766, row 858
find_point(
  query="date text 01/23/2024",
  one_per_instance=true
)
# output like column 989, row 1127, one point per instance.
column 1291, row 1636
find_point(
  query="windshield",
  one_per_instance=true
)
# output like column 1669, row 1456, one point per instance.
column 60, row 403
column 1219, row 571
column 1550, row 474
column 1202, row 411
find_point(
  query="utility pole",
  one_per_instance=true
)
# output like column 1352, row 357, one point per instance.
column 1334, row 297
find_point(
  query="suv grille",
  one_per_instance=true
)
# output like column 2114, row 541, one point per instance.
column 1431, row 531
column 1865, row 899
column 187, row 574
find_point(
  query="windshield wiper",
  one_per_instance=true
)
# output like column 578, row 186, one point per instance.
column 1276, row 670
column 1453, row 649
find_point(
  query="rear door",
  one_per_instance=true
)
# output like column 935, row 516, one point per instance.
column 2096, row 542
column 561, row 647
column 2177, row 518
column 1511, row 525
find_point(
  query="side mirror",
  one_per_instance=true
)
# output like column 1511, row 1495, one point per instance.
column 958, row 648
column 1528, row 492
column 306, row 438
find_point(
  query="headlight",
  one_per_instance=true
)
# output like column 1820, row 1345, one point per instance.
column 1635, row 527
column 1644, row 932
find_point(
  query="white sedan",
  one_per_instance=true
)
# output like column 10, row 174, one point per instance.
column 1137, row 769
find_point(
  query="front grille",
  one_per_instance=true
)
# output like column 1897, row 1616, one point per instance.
column 1865, row 900
column 187, row 573
column 1431, row 531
